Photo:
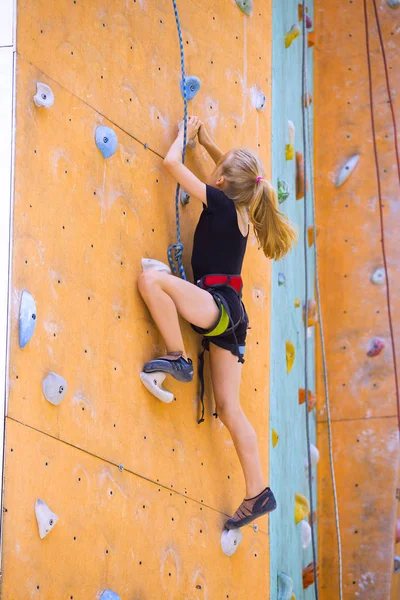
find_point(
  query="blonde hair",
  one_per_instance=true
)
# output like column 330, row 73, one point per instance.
column 246, row 186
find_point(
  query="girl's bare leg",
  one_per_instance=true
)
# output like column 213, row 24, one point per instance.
column 166, row 296
column 226, row 374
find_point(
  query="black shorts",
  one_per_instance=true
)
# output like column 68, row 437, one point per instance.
column 225, row 295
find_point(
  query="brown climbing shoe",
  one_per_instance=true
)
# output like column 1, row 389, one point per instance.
column 252, row 508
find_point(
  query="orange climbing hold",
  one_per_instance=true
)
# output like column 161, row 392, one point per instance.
column 300, row 176
column 310, row 235
column 312, row 317
column 309, row 574
column 310, row 39
column 307, row 100
column 312, row 399
column 290, row 355
column 301, row 508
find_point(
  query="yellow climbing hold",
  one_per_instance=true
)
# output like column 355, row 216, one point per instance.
column 292, row 35
column 301, row 508
column 275, row 438
column 289, row 152
column 297, row 303
column 293, row 597
column 290, row 354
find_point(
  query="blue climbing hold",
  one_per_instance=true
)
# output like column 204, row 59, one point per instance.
column 109, row 595
column 281, row 279
column 27, row 318
column 192, row 86
column 106, row 140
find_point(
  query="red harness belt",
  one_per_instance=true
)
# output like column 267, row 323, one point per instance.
column 233, row 281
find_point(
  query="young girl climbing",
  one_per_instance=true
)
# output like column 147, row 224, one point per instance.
column 238, row 195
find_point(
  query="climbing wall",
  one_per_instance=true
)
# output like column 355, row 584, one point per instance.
column 354, row 306
column 141, row 491
column 287, row 417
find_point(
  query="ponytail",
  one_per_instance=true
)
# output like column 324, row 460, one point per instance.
column 272, row 228
column 248, row 189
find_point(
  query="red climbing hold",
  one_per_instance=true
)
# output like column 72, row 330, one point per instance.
column 376, row 346
column 309, row 22
column 397, row 531
column 309, row 574
column 312, row 399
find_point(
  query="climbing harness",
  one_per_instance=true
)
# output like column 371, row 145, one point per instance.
column 225, row 325
column 304, row 110
column 175, row 251
column 382, row 227
column 322, row 342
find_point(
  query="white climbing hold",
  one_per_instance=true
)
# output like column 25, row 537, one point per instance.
column 305, row 530
column 230, row 540
column 27, row 318
column 46, row 519
column 258, row 98
column 378, row 277
column 347, row 170
column 54, row 388
column 155, row 265
column 185, row 198
column 291, row 132
column 44, row 95
column 314, row 452
column 285, row 586
column 153, row 383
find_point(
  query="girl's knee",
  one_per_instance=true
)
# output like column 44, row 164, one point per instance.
column 147, row 280
column 228, row 412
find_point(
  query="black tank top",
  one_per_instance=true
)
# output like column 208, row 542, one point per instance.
column 218, row 245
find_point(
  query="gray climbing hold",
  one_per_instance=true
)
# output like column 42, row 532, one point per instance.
column 44, row 95
column 109, row 595
column 378, row 277
column 285, row 586
column 283, row 190
column 106, row 140
column 27, row 318
column 54, row 388
column 281, row 279
column 46, row 519
column 394, row 3
column 230, row 541
column 245, row 6
column 347, row 170
column 397, row 564
column 192, row 86
column 185, row 198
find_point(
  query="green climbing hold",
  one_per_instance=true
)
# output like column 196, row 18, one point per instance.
column 283, row 190
column 245, row 6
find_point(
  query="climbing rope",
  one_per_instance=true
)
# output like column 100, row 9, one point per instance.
column 304, row 86
column 371, row 101
column 175, row 251
column 323, row 350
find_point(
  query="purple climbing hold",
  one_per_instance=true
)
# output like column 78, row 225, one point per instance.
column 376, row 346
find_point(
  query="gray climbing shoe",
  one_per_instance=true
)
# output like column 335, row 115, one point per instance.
column 173, row 364
column 251, row 509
